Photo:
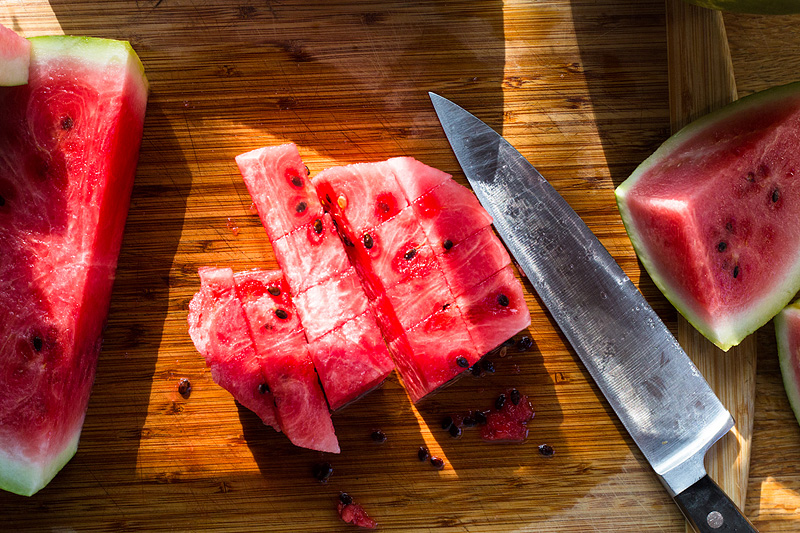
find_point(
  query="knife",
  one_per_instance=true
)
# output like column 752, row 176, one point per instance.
column 654, row 388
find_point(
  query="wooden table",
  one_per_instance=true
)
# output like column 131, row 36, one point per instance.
column 579, row 87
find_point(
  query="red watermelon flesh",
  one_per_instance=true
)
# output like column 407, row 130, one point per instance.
column 311, row 254
column 278, row 183
column 787, row 331
column 70, row 141
column 473, row 260
column 495, row 310
column 416, row 178
column 330, row 304
column 360, row 196
column 450, row 213
column 219, row 330
column 510, row 422
column 284, row 360
column 418, row 297
column 351, row 360
column 15, row 58
column 713, row 211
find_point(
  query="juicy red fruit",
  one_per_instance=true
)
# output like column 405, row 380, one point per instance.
column 510, row 422
column 352, row 513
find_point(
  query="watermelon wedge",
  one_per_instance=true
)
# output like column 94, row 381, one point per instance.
column 70, row 140
column 712, row 213
column 787, row 331
column 15, row 58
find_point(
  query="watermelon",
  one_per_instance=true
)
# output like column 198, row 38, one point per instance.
column 787, row 331
column 712, row 212
column 70, row 141
column 15, row 58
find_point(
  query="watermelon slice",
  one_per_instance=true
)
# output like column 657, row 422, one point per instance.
column 70, row 141
column 712, row 212
column 15, row 58
column 787, row 331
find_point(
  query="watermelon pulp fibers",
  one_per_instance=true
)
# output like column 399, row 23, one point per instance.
column 15, row 58
column 713, row 213
column 70, row 141
column 787, row 331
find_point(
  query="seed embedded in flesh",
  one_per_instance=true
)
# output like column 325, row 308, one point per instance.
column 378, row 436
column 384, row 207
column 322, row 472
column 736, row 271
column 462, row 361
column 280, row 313
column 184, row 387
column 447, row 244
column 437, row 462
column 345, row 498
column 301, row 207
column 38, row 343
column 67, row 123
column 342, row 201
column 722, row 246
column 328, row 198
column 503, row 300
column 368, row 242
column 516, row 397
column 273, row 290
column 423, row 453
column 317, row 226
column 776, row 195
column 454, row 431
column 447, row 422
column 410, row 254
column 546, row 450
column 297, row 181
column 500, row 402
column 263, row 388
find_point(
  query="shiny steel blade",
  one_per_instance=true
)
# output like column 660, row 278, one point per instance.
column 657, row 392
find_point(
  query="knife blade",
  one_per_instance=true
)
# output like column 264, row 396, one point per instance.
column 654, row 388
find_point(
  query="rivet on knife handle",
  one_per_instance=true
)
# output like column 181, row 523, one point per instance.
column 709, row 510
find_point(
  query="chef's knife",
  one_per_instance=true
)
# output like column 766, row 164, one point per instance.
column 656, row 391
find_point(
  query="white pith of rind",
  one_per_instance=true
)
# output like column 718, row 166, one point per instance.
column 736, row 327
column 19, row 473
column 791, row 381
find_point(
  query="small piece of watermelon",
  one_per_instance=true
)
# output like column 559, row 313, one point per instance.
column 473, row 260
column 713, row 213
column 510, row 422
column 70, row 141
column 330, row 304
column 15, row 58
column 787, row 331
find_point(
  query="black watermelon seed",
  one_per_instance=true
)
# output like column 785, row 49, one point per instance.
column 447, row 244
column 447, row 422
column 318, row 226
column 500, row 402
column 516, row 397
column 328, row 198
column 546, row 450
column 308, row 171
column 280, row 313
column 67, row 123
column 410, row 254
column 488, row 366
column 469, row 421
column 736, row 271
column 476, row 370
column 423, row 453
column 322, row 472
column 368, row 242
column 776, row 195
column 729, row 226
column 503, row 300
column 437, row 462
column 480, row 417
column 273, row 290
column 524, row 343
column 462, row 361
column 263, row 388
column 384, row 207
column 378, row 436
column 38, row 343
column 345, row 498
column 184, row 387
column 301, row 207
column 296, row 181
column 722, row 246
column 454, row 431
column 445, row 307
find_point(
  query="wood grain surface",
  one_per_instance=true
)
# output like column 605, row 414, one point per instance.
column 580, row 87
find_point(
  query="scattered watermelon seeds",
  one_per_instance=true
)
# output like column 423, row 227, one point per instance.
column 447, row 244
column 515, row 396
column 368, row 242
column 274, row 290
column 455, row 431
column 322, row 472
column 525, row 343
column 184, row 387
column 280, row 313
column 378, row 436
column 345, row 498
column 409, row 255
column 487, row 366
column 317, row 226
column 437, row 462
column 447, row 422
column 423, row 453
column 500, row 402
column 546, row 450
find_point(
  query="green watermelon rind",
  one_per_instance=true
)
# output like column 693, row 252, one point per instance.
column 740, row 326
column 785, row 356
column 18, row 474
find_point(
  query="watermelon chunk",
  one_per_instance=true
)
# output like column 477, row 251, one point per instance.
column 787, row 331
column 418, row 297
column 272, row 313
column 70, row 140
column 473, row 260
column 278, row 182
column 15, row 58
column 416, row 178
column 712, row 212
column 330, row 304
column 219, row 330
column 351, row 360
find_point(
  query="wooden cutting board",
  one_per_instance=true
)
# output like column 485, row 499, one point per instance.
column 579, row 87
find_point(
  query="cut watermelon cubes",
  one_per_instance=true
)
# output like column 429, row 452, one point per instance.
column 70, row 142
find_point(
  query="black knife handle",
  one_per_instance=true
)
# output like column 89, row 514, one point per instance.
column 709, row 509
